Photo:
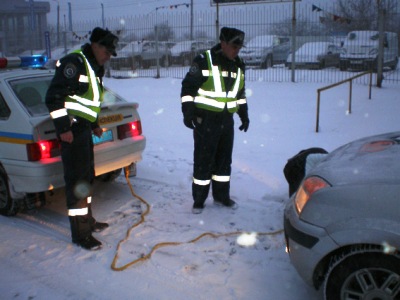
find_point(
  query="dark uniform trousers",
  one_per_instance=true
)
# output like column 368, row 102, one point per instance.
column 78, row 162
column 213, row 145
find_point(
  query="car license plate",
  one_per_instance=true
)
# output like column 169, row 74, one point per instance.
column 110, row 119
column 355, row 62
column 107, row 136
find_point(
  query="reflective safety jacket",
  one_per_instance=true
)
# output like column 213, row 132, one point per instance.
column 86, row 106
column 212, row 95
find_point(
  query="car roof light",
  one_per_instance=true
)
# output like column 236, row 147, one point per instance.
column 34, row 61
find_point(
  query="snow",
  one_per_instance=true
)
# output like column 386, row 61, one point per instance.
column 245, row 260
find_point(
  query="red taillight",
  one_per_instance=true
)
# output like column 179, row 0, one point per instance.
column 43, row 149
column 129, row 130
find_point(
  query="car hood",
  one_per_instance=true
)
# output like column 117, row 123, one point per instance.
column 370, row 160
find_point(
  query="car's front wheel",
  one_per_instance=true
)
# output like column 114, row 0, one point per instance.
column 364, row 274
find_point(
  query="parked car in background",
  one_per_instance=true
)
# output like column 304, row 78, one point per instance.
column 30, row 161
column 317, row 55
column 153, row 51
column 128, row 57
column 361, row 48
column 184, row 52
column 266, row 51
column 342, row 226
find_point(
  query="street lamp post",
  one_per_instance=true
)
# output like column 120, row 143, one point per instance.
column 58, row 22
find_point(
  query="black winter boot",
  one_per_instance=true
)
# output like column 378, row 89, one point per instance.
column 81, row 233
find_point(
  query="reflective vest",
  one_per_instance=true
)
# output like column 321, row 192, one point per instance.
column 86, row 106
column 212, row 95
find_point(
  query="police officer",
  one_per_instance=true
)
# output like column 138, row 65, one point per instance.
column 73, row 99
column 212, row 91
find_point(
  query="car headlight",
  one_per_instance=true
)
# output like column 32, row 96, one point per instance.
column 307, row 188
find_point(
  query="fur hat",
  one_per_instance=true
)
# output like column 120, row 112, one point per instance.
column 106, row 38
column 232, row 35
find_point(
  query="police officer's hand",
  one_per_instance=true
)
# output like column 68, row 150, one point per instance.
column 245, row 124
column 67, row 137
column 188, row 121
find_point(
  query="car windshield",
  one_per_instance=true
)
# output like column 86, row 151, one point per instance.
column 312, row 48
column 261, row 41
column 31, row 92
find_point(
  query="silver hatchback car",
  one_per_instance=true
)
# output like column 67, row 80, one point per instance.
column 342, row 226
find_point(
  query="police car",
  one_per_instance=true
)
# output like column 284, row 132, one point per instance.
column 30, row 161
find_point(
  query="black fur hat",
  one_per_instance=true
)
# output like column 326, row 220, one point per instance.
column 106, row 38
column 232, row 35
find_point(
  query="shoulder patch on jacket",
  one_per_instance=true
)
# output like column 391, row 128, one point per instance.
column 194, row 68
column 70, row 70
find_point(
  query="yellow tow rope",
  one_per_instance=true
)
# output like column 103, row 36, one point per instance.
column 164, row 244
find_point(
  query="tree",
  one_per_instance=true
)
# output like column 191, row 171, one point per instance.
column 360, row 15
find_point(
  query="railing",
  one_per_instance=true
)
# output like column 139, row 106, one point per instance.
column 350, row 80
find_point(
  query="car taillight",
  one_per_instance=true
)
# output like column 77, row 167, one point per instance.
column 43, row 149
column 307, row 188
column 129, row 130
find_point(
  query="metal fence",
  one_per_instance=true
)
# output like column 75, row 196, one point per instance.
column 171, row 27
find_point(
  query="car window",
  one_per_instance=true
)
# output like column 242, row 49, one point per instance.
column 31, row 92
column 110, row 97
column 4, row 109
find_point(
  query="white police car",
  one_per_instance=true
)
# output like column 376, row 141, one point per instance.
column 30, row 160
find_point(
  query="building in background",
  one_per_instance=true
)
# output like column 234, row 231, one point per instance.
column 22, row 25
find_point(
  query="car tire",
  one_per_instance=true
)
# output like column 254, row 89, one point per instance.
column 110, row 176
column 364, row 273
column 267, row 63
column 7, row 204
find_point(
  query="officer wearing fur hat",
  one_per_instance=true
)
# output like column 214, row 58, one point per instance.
column 73, row 99
column 212, row 92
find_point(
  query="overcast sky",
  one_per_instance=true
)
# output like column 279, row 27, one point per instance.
column 89, row 9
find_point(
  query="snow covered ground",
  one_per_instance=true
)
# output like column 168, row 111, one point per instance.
column 39, row 262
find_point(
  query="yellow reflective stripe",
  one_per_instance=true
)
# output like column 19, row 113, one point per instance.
column 242, row 101
column 85, row 101
column 231, row 104
column 201, row 182
column 233, row 93
column 58, row 63
column 206, row 72
column 210, row 102
column 79, row 107
column 212, row 93
column 83, row 78
column 59, row 113
column 187, row 99
column 89, row 200
column 216, row 77
column 221, row 178
column 93, row 82
column 233, row 74
column 78, row 212
column 225, row 73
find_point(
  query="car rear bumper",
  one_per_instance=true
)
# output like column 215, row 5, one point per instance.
column 33, row 177
column 306, row 244
column 48, row 174
column 124, row 152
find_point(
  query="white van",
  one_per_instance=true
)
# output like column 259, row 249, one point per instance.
column 360, row 50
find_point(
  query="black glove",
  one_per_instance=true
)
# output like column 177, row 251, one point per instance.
column 244, row 117
column 245, row 124
column 188, row 110
column 188, row 121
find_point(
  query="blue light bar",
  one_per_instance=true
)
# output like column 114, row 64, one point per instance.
column 34, row 61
